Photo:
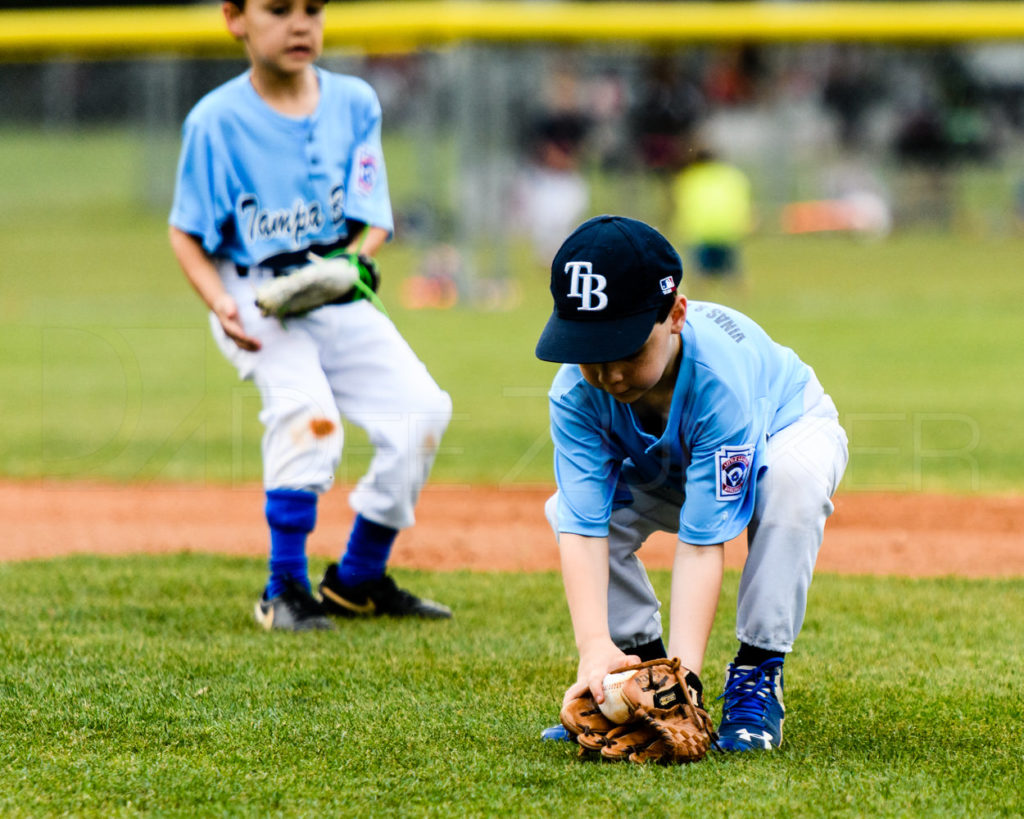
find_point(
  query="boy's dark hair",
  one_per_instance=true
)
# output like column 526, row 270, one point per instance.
column 665, row 309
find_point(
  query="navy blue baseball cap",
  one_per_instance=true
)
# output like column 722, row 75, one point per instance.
column 610, row 280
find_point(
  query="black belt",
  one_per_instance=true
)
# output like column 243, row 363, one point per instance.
column 284, row 263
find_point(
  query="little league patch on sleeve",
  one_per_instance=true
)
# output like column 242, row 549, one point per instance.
column 732, row 468
column 367, row 170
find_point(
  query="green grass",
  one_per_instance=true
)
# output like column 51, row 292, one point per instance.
column 109, row 371
column 141, row 686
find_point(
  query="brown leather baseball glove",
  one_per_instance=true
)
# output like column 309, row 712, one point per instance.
column 667, row 721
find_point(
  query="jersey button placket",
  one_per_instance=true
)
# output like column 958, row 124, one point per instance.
column 314, row 156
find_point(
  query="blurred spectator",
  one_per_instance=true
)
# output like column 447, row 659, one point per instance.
column 922, row 138
column 606, row 102
column 550, row 194
column 849, row 92
column 732, row 75
column 669, row 107
column 712, row 214
column 948, row 121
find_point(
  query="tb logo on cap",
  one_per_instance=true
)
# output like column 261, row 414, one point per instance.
column 587, row 286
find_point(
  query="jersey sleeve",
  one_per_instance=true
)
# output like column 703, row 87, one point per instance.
column 202, row 204
column 586, row 470
column 368, row 198
column 725, row 460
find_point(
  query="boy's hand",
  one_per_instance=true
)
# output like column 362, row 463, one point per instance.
column 595, row 664
column 226, row 310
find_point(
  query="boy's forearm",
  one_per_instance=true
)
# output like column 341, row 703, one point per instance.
column 198, row 268
column 369, row 241
column 585, row 577
column 696, row 585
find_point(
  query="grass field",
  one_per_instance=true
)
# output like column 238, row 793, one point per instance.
column 110, row 373
column 139, row 685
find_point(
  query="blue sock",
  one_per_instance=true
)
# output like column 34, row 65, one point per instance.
column 367, row 553
column 291, row 514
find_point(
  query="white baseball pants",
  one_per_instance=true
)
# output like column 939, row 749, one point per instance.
column 339, row 361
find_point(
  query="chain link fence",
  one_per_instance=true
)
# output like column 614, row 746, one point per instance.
column 490, row 144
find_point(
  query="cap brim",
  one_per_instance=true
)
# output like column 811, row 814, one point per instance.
column 594, row 342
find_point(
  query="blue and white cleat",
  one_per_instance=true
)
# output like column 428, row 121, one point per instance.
column 557, row 733
column 753, row 711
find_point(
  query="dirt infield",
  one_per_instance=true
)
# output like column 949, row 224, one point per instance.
column 492, row 529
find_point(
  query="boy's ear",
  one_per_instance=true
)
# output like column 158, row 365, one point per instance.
column 234, row 19
column 678, row 315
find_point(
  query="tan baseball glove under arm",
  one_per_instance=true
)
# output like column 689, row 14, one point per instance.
column 322, row 281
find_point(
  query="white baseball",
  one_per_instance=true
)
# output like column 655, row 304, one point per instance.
column 614, row 706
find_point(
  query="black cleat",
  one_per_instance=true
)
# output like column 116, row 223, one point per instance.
column 373, row 598
column 294, row 609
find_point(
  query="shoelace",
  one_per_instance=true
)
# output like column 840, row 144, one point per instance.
column 746, row 695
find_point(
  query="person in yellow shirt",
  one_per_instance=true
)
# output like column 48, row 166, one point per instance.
column 712, row 214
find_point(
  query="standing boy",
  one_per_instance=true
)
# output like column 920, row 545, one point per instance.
column 278, row 163
column 688, row 418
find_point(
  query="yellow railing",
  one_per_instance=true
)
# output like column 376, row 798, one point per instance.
column 425, row 23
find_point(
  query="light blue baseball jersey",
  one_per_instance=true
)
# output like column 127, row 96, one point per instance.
column 735, row 387
column 254, row 184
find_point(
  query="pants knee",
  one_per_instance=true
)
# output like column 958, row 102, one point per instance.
column 436, row 417
column 416, row 436
column 301, row 448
